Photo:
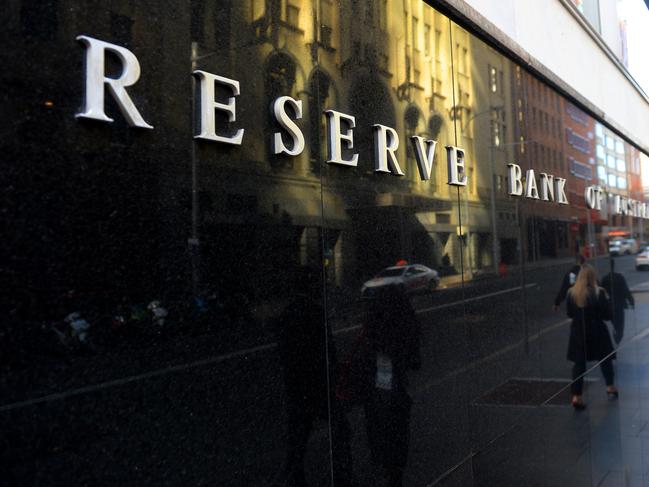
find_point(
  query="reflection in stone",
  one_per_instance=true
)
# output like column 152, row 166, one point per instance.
column 621, row 298
column 588, row 306
column 392, row 349
column 309, row 363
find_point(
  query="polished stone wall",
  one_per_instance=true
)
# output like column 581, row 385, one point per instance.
column 181, row 311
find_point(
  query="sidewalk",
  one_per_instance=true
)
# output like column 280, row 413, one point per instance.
column 607, row 445
column 619, row 430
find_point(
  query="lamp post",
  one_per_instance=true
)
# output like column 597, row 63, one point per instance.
column 492, row 190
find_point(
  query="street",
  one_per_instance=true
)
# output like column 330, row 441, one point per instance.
column 189, row 411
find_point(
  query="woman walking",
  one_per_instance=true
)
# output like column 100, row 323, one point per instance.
column 588, row 306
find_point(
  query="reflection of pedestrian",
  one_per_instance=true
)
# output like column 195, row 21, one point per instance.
column 308, row 359
column 568, row 281
column 621, row 298
column 393, row 347
column 588, row 306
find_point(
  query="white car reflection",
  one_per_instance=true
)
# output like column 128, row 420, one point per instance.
column 412, row 277
column 642, row 259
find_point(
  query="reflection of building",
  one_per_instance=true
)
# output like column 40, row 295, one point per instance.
column 395, row 71
column 539, row 131
column 618, row 168
column 580, row 160
column 486, row 136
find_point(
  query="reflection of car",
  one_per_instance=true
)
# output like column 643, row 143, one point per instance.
column 642, row 259
column 615, row 247
column 623, row 247
column 632, row 245
column 414, row 277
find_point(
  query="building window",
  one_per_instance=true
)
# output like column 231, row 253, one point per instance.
column 612, row 181
column 619, row 147
column 599, row 131
column 493, row 79
column 546, row 122
column 610, row 161
column 576, row 114
column 293, row 15
column 462, row 57
column 427, row 39
column 600, row 151
column 256, row 9
column 326, row 36
column 497, row 127
column 415, row 29
column 610, row 142
column 620, row 166
column 621, row 182
column 580, row 170
column 578, row 142
column 601, row 172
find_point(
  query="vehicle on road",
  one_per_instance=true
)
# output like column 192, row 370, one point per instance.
column 626, row 246
column 412, row 277
column 642, row 259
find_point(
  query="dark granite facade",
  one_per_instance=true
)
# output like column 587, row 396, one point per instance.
column 228, row 331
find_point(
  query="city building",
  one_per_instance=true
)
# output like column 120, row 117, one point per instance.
column 308, row 242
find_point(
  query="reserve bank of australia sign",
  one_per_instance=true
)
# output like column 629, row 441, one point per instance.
column 290, row 141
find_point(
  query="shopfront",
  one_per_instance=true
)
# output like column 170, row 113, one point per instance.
column 197, row 197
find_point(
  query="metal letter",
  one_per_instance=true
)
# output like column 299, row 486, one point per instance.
column 616, row 204
column 335, row 138
column 589, row 196
column 208, row 105
column 560, row 191
column 599, row 195
column 531, row 191
column 279, row 110
column 424, row 156
column 455, row 163
column 547, row 187
column 384, row 151
column 514, row 183
column 93, row 107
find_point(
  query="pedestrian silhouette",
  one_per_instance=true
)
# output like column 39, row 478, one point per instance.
column 393, row 348
column 308, row 359
column 588, row 306
column 620, row 296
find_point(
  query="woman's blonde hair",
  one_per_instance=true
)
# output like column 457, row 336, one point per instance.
column 585, row 284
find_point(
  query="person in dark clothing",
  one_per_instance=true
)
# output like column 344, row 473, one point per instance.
column 588, row 306
column 393, row 348
column 308, row 359
column 568, row 281
column 621, row 298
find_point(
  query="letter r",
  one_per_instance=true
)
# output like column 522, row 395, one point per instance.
column 96, row 79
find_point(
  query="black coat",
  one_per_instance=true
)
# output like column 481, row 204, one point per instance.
column 618, row 290
column 589, row 336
